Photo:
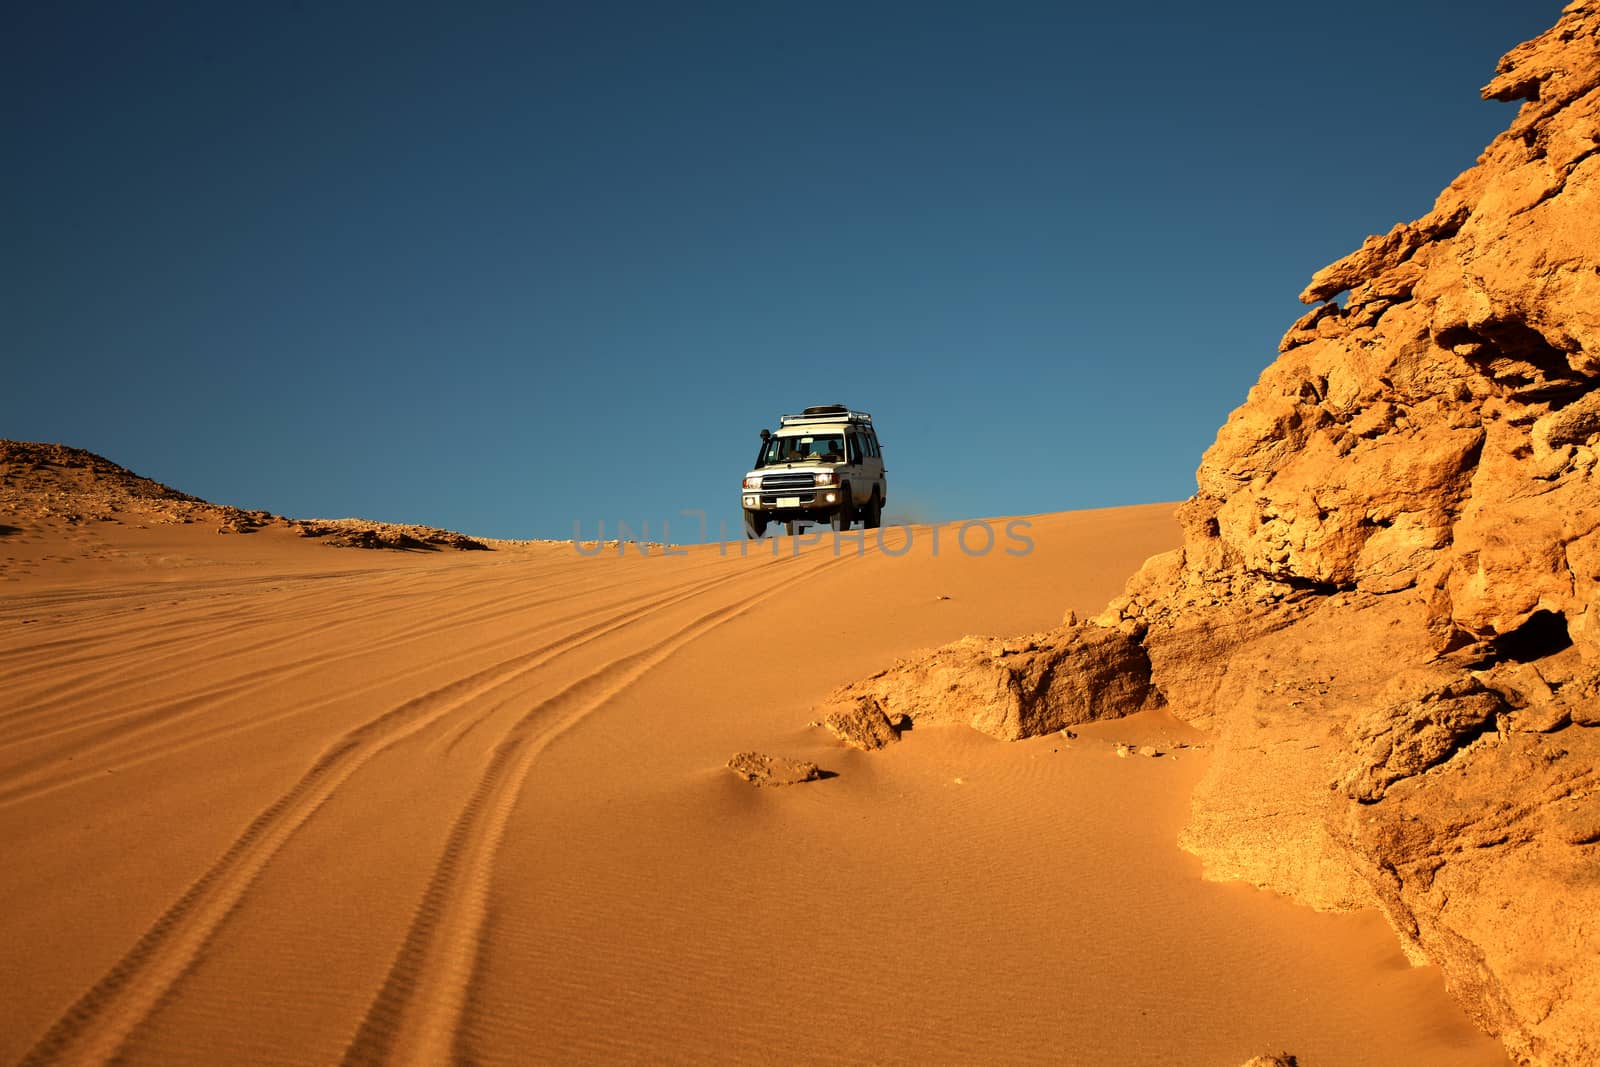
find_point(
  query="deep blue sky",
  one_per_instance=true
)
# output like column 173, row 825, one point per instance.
column 501, row 267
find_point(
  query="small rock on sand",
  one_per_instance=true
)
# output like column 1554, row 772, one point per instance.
column 861, row 722
column 1282, row 1059
column 1124, row 751
column 760, row 769
column 1149, row 751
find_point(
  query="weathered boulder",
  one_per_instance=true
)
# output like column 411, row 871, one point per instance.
column 1007, row 688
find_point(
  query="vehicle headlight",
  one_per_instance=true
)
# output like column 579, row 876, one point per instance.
column 825, row 478
column 752, row 481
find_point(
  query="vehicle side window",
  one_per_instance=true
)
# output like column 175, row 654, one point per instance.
column 855, row 448
column 872, row 445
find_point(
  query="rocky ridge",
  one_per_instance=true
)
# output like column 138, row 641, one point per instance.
column 59, row 485
column 1387, row 603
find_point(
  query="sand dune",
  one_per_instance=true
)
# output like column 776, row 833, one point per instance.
column 267, row 802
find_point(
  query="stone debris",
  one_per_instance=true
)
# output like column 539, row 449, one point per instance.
column 860, row 721
column 624, row 547
column 361, row 533
column 760, row 769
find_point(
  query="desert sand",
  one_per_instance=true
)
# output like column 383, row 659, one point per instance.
column 266, row 797
column 269, row 801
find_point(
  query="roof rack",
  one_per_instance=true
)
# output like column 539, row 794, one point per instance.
column 841, row 415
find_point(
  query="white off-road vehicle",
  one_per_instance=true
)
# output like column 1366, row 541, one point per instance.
column 822, row 465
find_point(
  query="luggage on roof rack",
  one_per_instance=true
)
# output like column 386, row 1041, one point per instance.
column 825, row 413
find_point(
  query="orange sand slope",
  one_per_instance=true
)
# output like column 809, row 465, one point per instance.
column 264, row 801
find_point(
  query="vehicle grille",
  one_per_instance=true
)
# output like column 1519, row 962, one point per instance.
column 774, row 482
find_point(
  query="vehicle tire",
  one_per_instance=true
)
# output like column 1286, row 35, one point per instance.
column 872, row 514
column 845, row 512
column 755, row 524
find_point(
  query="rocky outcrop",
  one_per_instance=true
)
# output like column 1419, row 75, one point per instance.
column 363, row 533
column 1401, row 527
column 1007, row 688
column 1387, row 603
column 50, row 484
column 45, row 467
column 1443, row 417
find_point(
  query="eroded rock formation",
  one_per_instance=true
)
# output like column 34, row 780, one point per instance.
column 1008, row 688
column 1389, row 590
column 1387, row 604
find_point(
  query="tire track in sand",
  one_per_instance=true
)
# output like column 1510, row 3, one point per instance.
column 96, row 1027
column 124, row 726
column 417, row 1016
column 107, row 671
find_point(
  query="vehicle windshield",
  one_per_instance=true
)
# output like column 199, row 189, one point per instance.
column 812, row 448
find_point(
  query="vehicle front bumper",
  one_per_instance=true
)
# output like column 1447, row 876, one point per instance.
column 791, row 501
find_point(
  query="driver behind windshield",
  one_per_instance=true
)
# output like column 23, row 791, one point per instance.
column 826, row 449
